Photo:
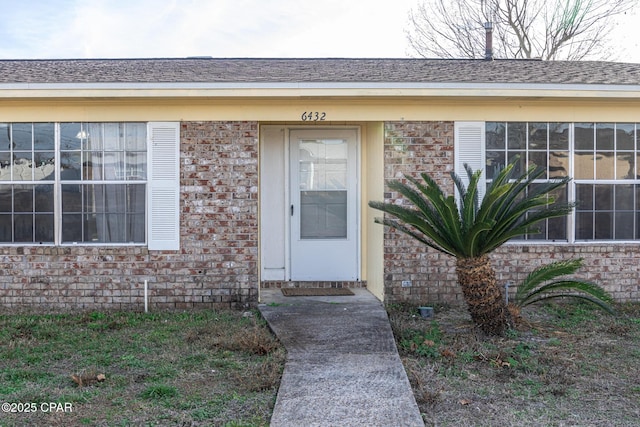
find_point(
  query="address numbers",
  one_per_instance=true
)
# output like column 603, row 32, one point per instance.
column 313, row 116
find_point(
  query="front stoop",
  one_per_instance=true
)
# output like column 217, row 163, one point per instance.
column 278, row 284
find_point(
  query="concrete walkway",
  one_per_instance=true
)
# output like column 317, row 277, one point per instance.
column 342, row 366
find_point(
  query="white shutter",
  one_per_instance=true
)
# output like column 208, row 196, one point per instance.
column 469, row 148
column 164, row 186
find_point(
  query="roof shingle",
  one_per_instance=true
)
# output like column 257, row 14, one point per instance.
column 329, row 70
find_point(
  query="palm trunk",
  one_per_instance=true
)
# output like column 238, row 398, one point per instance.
column 482, row 294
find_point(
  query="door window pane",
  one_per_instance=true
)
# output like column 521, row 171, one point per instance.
column 323, row 164
column 323, row 214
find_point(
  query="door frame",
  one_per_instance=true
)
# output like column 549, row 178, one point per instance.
column 274, row 199
column 356, row 202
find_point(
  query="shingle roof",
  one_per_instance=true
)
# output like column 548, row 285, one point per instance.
column 209, row 70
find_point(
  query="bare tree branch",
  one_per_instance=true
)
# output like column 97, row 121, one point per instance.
column 546, row 29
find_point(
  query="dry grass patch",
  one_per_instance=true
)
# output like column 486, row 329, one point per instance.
column 569, row 365
column 199, row 368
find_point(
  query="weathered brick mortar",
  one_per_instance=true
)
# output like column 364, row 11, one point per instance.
column 411, row 148
column 217, row 263
column 415, row 147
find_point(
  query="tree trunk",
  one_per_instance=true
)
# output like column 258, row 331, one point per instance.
column 482, row 294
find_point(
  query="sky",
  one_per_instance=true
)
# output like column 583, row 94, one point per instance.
column 41, row 29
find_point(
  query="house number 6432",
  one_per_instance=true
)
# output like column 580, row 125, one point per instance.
column 313, row 116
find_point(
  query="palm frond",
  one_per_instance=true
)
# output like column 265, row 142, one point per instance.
column 432, row 243
column 523, row 224
column 429, row 228
column 510, row 208
column 469, row 196
column 599, row 303
column 545, row 273
column 540, row 285
column 573, row 285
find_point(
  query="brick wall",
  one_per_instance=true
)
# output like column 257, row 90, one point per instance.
column 414, row 147
column 409, row 149
column 217, row 263
column 616, row 267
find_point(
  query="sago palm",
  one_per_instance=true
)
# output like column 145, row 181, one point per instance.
column 469, row 229
column 550, row 281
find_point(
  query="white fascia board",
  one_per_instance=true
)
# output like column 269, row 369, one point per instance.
column 298, row 89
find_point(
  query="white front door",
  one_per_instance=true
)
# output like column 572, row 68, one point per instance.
column 324, row 204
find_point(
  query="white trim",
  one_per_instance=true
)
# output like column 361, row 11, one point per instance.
column 273, row 222
column 57, row 189
column 287, row 203
column 339, row 89
column 324, row 85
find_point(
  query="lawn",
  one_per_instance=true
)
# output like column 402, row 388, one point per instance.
column 199, row 368
column 566, row 365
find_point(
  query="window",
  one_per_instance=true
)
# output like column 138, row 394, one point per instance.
column 606, row 181
column 545, row 145
column 66, row 183
column 602, row 159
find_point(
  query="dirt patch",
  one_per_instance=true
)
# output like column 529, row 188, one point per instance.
column 566, row 365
